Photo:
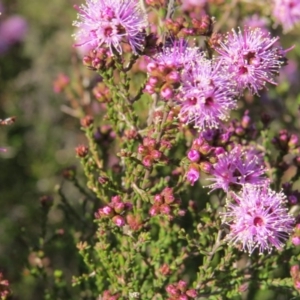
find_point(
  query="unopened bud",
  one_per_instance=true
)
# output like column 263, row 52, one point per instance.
column 118, row 220
column 82, row 151
column 87, row 121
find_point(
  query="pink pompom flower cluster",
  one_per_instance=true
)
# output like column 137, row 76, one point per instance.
column 206, row 89
column 287, row 13
column 109, row 23
column 257, row 219
column 252, row 57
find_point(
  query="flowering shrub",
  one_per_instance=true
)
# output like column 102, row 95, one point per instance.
column 184, row 190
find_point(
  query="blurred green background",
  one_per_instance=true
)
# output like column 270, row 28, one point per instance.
column 41, row 143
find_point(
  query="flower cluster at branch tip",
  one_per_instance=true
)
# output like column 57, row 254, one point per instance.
column 285, row 141
column 214, row 145
column 252, row 57
column 148, row 151
column 179, row 291
column 115, row 211
column 181, row 27
column 257, row 219
column 204, row 152
column 99, row 59
column 110, row 23
column 166, row 204
column 165, row 68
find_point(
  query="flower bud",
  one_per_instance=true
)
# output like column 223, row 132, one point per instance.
column 245, row 122
column 103, row 179
column 182, row 285
column 107, row 211
column 296, row 240
column 224, row 138
column 87, row 61
column 119, row 207
column 205, row 149
column 158, row 199
column 296, row 235
column 293, row 200
column 198, row 142
column 165, row 209
column 60, row 83
column 141, row 149
column 149, row 142
column 192, row 175
column 118, row 220
column 87, row 121
column 192, row 293
column 155, row 154
column 165, row 269
column 149, row 89
column 240, row 131
column 219, row 150
column 128, row 206
column 116, row 199
column 82, row 151
column 193, row 155
column 294, row 271
column 293, row 141
column 147, row 161
column 168, row 195
column 152, row 66
column 173, row 77
column 154, row 210
column 172, row 290
column 166, row 92
column 206, row 167
column 153, row 81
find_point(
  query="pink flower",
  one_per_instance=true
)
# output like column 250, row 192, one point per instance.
column 255, row 21
column 109, row 23
column 208, row 94
column 12, row 30
column 236, row 168
column 252, row 58
column 257, row 219
column 174, row 56
column 287, row 13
